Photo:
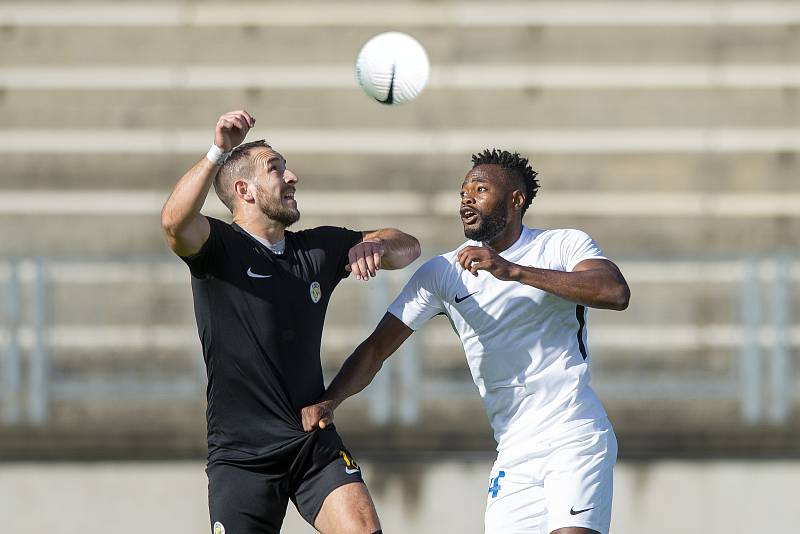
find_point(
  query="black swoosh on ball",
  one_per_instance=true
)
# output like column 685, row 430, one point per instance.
column 390, row 97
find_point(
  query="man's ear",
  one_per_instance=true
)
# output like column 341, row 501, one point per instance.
column 518, row 199
column 243, row 190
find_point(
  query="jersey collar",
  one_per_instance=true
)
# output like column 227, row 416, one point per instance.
column 277, row 248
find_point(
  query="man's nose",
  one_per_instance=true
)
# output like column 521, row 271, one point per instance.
column 289, row 177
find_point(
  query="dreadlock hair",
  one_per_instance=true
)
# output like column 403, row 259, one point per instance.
column 238, row 166
column 515, row 165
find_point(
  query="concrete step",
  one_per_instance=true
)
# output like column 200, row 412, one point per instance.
column 658, row 236
column 136, row 364
column 360, row 305
column 629, row 347
column 441, row 352
column 349, row 108
column 31, row 46
column 558, row 172
column 610, row 367
column 107, row 325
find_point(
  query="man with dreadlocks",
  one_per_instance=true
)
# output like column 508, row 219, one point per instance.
column 260, row 295
column 517, row 298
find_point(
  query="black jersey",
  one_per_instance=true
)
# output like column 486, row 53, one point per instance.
column 260, row 317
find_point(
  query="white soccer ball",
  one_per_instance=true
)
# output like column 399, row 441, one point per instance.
column 392, row 68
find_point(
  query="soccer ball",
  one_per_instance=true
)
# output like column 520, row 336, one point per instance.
column 392, row 68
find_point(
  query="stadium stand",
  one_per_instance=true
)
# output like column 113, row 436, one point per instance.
column 668, row 131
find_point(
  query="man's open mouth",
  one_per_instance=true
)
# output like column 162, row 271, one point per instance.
column 469, row 216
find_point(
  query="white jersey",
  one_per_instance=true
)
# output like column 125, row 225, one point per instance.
column 526, row 348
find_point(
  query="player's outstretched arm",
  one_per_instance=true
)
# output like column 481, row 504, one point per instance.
column 597, row 283
column 388, row 248
column 185, row 228
column 357, row 371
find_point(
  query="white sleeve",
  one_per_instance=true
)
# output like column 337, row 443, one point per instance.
column 577, row 246
column 420, row 298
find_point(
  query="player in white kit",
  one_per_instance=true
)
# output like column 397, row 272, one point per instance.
column 517, row 298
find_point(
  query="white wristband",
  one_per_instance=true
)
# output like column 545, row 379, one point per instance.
column 217, row 156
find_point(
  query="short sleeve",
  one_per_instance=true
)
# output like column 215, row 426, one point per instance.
column 577, row 246
column 211, row 254
column 336, row 242
column 420, row 299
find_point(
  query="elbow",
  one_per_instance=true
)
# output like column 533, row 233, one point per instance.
column 169, row 223
column 171, row 230
column 412, row 251
column 404, row 252
column 416, row 249
column 621, row 298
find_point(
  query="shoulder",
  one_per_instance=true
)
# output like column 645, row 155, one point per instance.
column 437, row 270
column 452, row 256
column 560, row 236
column 449, row 260
column 326, row 236
column 220, row 235
column 437, row 264
column 224, row 231
column 218, row 224
column 326, row 232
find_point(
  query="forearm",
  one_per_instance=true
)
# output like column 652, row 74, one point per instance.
column 400, row 249
column 188, row 196
column 596, row 288
column 356, row 373
column 365, row 362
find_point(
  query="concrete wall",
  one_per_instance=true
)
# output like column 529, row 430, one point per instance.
column 731, row 497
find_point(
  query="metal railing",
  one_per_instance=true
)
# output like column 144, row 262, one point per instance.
column 762, row 380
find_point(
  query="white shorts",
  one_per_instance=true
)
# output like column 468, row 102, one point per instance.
column 566, row 482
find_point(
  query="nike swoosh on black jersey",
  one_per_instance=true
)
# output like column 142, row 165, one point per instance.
column 462, row 299
column 573, row 511
column 390, row 96
column 251, row 274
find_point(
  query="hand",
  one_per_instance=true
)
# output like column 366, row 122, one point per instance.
column 232, row 128
column 474, row 259
column 365, row 259
column 317, row 415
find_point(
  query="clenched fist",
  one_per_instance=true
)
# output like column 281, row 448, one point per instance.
column 474, row 259
column 317, row 415
column 232, row 128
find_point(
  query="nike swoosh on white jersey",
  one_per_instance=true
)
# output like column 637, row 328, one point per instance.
column 251, row 274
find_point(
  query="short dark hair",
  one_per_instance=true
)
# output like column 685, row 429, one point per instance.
column 236, row 167
column 516, row 165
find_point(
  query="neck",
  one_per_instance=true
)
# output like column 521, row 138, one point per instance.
column 260, row 225
column 507, row 237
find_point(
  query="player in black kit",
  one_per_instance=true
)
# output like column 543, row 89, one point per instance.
column 260, row 295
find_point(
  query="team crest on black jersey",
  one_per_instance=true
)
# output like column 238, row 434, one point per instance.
column 315, row 291
column 219, row 528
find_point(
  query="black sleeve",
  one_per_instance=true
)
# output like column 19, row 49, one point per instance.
column 336, row 242
column 207, row 260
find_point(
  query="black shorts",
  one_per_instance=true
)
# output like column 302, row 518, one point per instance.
column 248, row 500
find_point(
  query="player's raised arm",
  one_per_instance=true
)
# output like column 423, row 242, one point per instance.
column 357, row 371
column 388, row 248
column 185, row 228
column 597, row 283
